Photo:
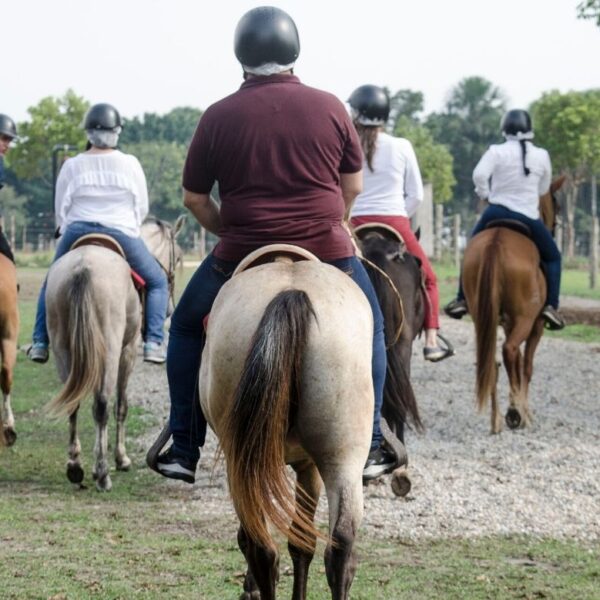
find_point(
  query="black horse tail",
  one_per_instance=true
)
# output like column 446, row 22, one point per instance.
column 399, row 401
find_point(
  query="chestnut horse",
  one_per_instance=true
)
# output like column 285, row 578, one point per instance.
column 504, row 285
column 286, row 378
column 9, row 329
column 94, row 320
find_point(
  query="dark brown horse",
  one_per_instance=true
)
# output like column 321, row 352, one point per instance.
column 9, row 329
column 504, row 285
column 396, row 277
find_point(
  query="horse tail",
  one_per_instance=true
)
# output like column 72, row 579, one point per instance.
column 257, row 425
column 399, row 401
column 487, row 319
column 86, row 347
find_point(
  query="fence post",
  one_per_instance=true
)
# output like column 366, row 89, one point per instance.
column 439, row 225
column 456, row 238
column 202, row 243
column 24, row 236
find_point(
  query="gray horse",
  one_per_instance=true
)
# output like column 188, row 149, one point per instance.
column 94, row 320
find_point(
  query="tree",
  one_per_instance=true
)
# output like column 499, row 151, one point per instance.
column 176, row 126
column 163, row 165
column 406, row 104
column 568, row 126
column 435, row 160
column 589, row 9
column 469, row 124
column 53, row 121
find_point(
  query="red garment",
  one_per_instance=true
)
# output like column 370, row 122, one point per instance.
column 276, row 148
column 402, row 226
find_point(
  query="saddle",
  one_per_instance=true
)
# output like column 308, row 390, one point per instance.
column 287, row 253
column 362, row 231
column 510, row 224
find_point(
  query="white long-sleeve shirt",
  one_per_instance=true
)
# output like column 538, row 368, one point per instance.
column 499, row 177
column 394, row 187
column 107, row 188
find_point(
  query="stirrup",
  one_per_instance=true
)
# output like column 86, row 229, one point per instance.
column 161, row 441
column 446, row 346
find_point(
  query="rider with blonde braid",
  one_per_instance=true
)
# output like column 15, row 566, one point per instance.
column 511, row 177
column 392, row 193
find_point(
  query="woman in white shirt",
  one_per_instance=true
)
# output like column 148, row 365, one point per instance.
column 104, row 190
column 392, row 192
column 511, row 177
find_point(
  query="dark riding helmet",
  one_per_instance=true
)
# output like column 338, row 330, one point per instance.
column 7, row 126
column 370, row 105
column 102, row 116
column 266, row 35
column 517, row 122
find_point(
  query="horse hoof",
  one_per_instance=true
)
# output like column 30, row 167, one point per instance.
column 104, row 484
column 513, row 418
column 401, row 482
column 74, row 473
column 124, row 464
column 10, row 436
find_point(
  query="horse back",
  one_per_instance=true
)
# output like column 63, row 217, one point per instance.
column 339, row 342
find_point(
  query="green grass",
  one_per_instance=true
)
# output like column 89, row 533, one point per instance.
column 144, row 539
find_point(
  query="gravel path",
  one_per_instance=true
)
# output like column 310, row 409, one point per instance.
column 543, row 481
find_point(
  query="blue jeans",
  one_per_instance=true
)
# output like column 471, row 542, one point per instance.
column 187, row 422
column 140, row 260
column 542, row 238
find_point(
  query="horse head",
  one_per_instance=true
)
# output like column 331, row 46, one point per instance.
column 161, row 239
column 549, row 204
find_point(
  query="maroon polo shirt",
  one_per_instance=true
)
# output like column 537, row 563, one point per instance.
column 276, row 148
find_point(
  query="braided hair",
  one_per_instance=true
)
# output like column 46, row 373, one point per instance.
column 368, row 141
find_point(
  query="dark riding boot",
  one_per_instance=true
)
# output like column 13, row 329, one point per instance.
column 553, row 320
column 456, row 309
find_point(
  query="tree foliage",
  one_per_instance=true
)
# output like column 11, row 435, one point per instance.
column 177, row 126
column 469, row 124
column 52, row 121
column 589, row 9
column 435, row 160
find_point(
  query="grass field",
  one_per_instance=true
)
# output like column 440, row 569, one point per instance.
column 143, row 540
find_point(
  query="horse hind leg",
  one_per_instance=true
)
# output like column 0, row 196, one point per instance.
column 123, row 462
column 75, row 472
column 530, row 347
column 513, row 362
column 344, row 495
column 262, row 575
column 308, row 489
column 7, row 419
column 101, row 472
column 496, row 419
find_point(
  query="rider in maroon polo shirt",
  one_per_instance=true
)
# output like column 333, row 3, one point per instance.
column 288, row 164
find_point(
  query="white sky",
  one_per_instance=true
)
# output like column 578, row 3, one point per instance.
column 154, row 55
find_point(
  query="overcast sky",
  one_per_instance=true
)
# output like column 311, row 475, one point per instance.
column 154, row 55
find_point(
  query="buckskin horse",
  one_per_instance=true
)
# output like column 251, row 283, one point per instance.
column 504, row 285
column 9, row 329
column 94, row 320
column 396, row 277
column 286, row 378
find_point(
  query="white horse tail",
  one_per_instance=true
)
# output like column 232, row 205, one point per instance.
column 86, row 349
column 257, row 425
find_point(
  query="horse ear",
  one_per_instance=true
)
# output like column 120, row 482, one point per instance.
column 557, row 184
column 418, row 233
column 179, row 224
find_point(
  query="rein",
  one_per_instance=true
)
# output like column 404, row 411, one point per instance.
column 396, row 294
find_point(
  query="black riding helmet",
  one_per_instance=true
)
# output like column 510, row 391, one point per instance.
column 102, row 116
column 516, row 121
column 370, row 104
column 7, row 126
column 266, row 35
